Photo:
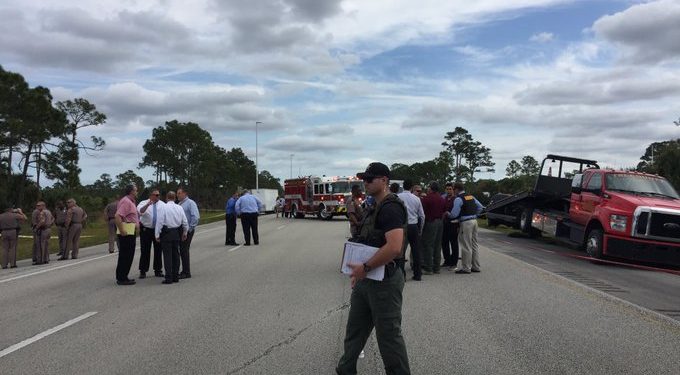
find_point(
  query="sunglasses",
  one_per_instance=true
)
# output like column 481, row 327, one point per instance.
column 155, row 195
column 368, row 180
column 419, row 191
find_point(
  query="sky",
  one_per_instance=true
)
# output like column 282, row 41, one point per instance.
column 337, row 84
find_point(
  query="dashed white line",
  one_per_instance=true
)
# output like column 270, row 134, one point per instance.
column 235, row 248
column 44, row 334
column 281, row 227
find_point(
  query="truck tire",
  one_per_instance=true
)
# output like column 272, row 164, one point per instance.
column 294, row 212
column 594, row 243
column 525, row 223
column 322, row 214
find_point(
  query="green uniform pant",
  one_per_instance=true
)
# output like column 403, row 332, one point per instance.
column 376, row 304
column 432, row 245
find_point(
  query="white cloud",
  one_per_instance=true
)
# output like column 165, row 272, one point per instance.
column 543, row 37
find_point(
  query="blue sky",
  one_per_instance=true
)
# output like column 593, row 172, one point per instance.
column 342, row 83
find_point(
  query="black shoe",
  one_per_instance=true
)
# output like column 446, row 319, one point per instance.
column 158, row 274
column 416, row 278
column 185, row 276
column 74, row 257
column 464, row 272
column 142, row 275
column 474, row 270
column 175, row 280
column 126, row 282
column 35, row 263
column 62, row 258
column 166, row 282
column 257, row 243
column 14, row 266
column 110, row 251
column 246, row 244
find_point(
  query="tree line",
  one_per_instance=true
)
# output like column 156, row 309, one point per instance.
column 39, row 141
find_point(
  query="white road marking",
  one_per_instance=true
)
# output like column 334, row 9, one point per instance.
column 235, row 248
column 54, row 268
column 281, row 227
column 44, row 334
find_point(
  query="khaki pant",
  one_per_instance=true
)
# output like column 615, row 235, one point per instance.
column 9, row 248
column 112, row 235
column 73, row 240
column 467, row 243
column 43, row 252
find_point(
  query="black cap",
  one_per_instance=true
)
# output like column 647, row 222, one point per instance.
column 375, row 170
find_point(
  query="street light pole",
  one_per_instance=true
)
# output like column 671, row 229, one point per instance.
column 291, row 165
column 257, row 171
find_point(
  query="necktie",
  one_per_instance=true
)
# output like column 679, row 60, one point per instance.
column 153, row 221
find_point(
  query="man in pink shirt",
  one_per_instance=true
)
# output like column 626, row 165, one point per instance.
column 126, row 213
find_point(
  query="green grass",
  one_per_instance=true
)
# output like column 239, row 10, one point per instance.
column 95, row 233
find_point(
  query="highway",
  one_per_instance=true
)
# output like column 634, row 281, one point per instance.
column 281, row 308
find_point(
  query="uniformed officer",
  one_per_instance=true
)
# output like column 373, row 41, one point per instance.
column 60, row 221
column 74, row 224
column 110, row 217
column 9, row 226
column 378, row 303
column 43, row 230
column 465, row 209
column 171, row 228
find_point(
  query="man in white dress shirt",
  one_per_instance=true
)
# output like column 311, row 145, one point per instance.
column 171, row 227
column 416, row 216
column 148, row 214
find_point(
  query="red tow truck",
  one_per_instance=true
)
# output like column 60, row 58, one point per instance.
column 322, row 196
column 609, row 213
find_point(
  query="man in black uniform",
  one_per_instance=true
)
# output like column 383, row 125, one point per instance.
column 378, row 303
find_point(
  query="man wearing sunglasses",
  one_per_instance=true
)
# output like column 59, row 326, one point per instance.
column 378, row 303
column 148, row 215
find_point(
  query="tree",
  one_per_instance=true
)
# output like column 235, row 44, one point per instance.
column 513, row 169
column 530, row 166
column 64, row 163
column 477, row 156
column 662, row 158
column 457, row 144
column 128, row 177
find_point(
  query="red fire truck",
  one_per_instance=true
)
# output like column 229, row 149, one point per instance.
column 322, row 196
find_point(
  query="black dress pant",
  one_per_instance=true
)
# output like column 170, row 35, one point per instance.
column 126, row 253
column 146, row 238
column 249, row 224
column 413, row 236
column 184, row 253
column 450, row 243
column 170, row 243
column 231, row 229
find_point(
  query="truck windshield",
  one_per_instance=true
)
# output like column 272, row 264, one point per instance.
column 341, row 187
column 638, row 184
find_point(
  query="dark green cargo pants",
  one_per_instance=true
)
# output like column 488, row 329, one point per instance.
column 376, row 304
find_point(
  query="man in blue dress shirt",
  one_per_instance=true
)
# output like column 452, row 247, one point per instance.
column 191, row 211
column 248, row 207
column 230, row 218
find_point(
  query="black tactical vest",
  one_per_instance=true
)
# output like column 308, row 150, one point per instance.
column 469, row 207
column 372, row 236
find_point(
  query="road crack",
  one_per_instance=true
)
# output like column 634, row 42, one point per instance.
column 290, row 338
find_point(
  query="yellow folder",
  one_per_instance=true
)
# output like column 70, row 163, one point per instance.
column 129, row 228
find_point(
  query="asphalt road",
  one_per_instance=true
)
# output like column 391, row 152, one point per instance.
column 281, row 308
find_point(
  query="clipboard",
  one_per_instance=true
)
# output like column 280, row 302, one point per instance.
column 129, row 228
column 357, row 253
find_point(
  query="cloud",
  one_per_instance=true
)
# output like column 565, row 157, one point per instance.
column 649, row 32
column 304, row 144
column 543, row 37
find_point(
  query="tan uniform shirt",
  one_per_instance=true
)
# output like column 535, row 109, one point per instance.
column 8, row 221
column 45, row 219
column 110, row 210
column 60, row 217
column 75, row 215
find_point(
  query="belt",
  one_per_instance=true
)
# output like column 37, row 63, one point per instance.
column 13, row 228
column 462, row 221
column 75, row 222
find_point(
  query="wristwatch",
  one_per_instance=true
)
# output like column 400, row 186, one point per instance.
column 367, row 268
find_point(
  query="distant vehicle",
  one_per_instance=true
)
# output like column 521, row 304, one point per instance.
column 267, row 197
column 620, row 214
column 323, row 196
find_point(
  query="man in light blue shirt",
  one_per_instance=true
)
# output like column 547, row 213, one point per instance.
column 191, row 211
column 248, row 208
column 465, row 210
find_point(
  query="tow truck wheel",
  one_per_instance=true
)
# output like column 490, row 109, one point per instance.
column 294, row 212
column 525, row 223
column 594, row 243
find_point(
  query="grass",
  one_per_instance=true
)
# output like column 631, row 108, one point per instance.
column 95, row 232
